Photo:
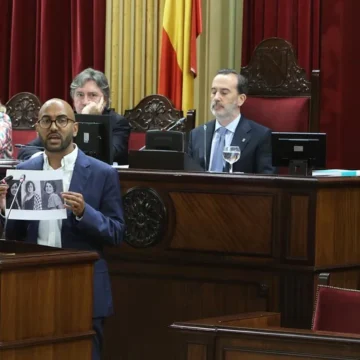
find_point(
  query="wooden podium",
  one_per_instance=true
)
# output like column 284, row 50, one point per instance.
column 200, row 245
column 46, row 302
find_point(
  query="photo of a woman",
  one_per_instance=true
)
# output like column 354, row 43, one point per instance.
column 31, row 200
column 53, row 200
column 10, row 196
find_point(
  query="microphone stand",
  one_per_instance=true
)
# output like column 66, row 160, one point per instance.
column 3, row 233
column 178, row 122
column 205, row 150
column 21, row 146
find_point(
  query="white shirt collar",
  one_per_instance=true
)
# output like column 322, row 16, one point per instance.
column 230, row 127
column 67, row 162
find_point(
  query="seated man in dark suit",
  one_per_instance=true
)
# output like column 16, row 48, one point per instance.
column 93, row 199
column 90, row 92
column 228, row 93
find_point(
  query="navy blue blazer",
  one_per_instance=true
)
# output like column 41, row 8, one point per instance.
column 253, row 139
column 102, row 223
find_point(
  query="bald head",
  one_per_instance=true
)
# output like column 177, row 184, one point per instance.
column 57, row 127
column 57, row 105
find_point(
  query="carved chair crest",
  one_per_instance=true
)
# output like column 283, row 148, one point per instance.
column 23, row 109
column 273, row 71
column 154, row 112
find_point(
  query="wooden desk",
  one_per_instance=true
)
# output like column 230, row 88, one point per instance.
column 251, row 337
column 203, row 245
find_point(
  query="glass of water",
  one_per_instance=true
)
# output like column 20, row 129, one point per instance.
column 231, row 154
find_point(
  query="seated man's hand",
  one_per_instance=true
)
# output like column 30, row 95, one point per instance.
column 74, row 202
column 94, row 108
column 3, row 190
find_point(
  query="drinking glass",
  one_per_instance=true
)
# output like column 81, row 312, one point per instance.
column 231, row 154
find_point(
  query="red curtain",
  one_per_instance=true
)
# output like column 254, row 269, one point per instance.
column 330, row 45
column 45, row 43
column 340, row 79
column 297, row 21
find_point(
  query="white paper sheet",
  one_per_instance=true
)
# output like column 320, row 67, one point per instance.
column 36, row 204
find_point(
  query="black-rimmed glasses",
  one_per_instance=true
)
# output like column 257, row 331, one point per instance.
column 61, row 121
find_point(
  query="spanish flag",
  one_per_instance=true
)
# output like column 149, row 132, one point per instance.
column 182, row 24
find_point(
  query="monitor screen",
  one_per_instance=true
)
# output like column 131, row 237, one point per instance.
column 94, row 136
column 164, row 140
column 289, row 148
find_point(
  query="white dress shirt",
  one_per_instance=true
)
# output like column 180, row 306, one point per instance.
column 50, row 230
column 228, row 136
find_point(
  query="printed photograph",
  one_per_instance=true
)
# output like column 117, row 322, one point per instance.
column 31, row 199
column 39, row 195
column 51, row 198
column 10, row 197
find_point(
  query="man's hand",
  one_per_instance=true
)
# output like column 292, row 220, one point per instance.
column 94, row 108
column 74, row 202
column 3, row 190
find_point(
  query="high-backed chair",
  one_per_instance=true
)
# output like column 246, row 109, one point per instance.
column 23, row 109
column 155, row 112
column 280, row 95
column 337, row 309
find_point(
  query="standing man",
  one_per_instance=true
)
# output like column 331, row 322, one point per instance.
column 90, row 92
column 228, row 93
column 92, row 197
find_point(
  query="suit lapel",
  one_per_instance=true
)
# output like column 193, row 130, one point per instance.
column 81, row 173
column 37, row 163
column 79, row 179
column 241, row 138
column 210, row 128
column 242, row 134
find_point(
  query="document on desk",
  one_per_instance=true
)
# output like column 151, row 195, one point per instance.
column 336, row 172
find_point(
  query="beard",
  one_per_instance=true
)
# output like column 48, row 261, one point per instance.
column 227, row 111
column 61, row 146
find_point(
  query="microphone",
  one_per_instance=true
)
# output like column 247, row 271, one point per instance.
column 21, row 146
column 205, row 152
column 21, row 180
column 6, row 179
column 179, row 122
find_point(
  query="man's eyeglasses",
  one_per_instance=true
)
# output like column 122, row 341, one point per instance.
column 61, row 121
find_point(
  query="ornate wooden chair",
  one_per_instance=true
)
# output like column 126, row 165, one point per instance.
column 280, row 96
column 155, row 112
column 23, row 109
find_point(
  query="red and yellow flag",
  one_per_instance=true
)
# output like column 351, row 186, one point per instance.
column 182, row 24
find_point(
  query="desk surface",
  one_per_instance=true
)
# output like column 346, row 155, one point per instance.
column 210, row 339
column 224, row 177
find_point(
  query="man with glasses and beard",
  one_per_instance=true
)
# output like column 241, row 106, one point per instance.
column 231, row 128
column 91, row 193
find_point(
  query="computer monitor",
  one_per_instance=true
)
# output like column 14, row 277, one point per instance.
column 164, row 140
column 94, row 136
column 300, row 152
column 163, row 150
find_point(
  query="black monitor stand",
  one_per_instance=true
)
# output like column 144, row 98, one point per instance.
column 299, row 168
column 162, row 160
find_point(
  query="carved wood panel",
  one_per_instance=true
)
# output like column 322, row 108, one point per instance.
column 23, row 109
column 154, row 112
column 273, row 71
